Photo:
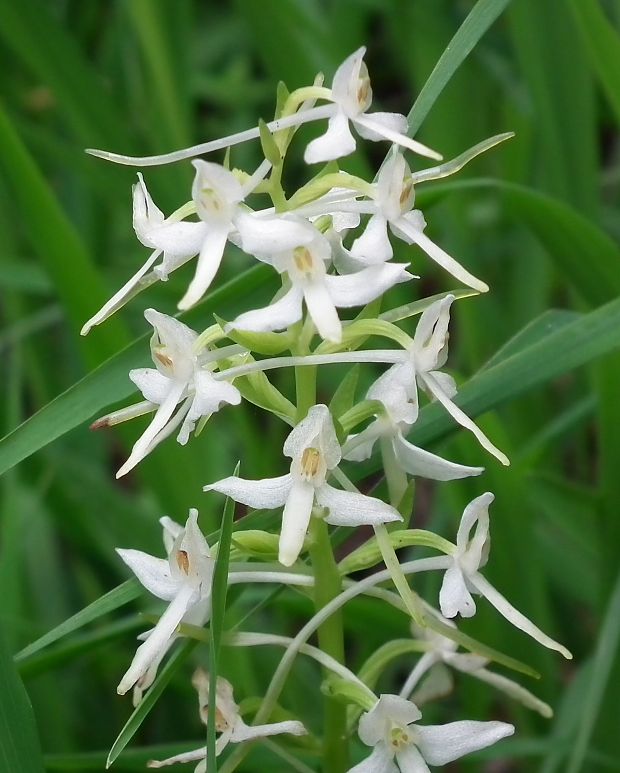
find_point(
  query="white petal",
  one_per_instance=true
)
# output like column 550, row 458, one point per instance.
column 277, row 316
column 295, row 520
column 216, row 192
column 153, row 573
column 177, row 340
column 373, row 246
column 520, row 621
column 441, row 257
column 170, row 531
column 446, row 382
column 411, row 761
column 347, row 508
column 416, row 461
column 380, row 761
column 161, row 418
column 316, row 428
column 180, row 240
column 270, row 235
column 376, row 122
column 146, row 215
column 345, row 82
column 359, row 447
column 342, row 258
column 394, row 192
column 263, row 494
column 430, row 342
column 322, row 309
column 343, row 221
column 397, row 390
column 454, row 597
column 475, row 514
column 335, row 143
column 441, row 744
column 194, row 544
column 463, row 419
column 243, row 732
column 363, row 287
column 208, row 264
column 193, row 756
column 154, row 386
column 388, row 709
column 377, row 126
column 158, row 639
column 209, row 395
column 119, row 298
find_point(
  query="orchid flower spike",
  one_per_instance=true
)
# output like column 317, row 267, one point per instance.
column 401, row 744
column 394, row 197
column 178, row 377
column 425, row 356
column 442, row 652
column 228, row 723
column 463, row 578
column 352, row 96
column 392, row 389
column 314, row 449
column 295, row 248
column 184, row 579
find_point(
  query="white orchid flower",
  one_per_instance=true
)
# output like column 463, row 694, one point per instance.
column 352, row 96
column 296, row 248
column 442, row 652
column 228, row 722
column 184, row 579
column 392, row 209
column 217, row 195
column 462, row 577
column 419, row 366
column 178, row 377
column 401, row 744
column 314, row 449
column 393, row 390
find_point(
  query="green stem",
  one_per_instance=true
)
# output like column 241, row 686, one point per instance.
column 331, row 641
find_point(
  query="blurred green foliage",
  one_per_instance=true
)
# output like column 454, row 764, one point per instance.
column 537, row 219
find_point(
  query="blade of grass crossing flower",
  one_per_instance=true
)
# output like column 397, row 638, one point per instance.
column 118, row 597
column 480, row 18
column 172, row 665
column 218, row 610
column 20, row 749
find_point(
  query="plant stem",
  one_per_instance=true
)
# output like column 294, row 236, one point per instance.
column 331, row 641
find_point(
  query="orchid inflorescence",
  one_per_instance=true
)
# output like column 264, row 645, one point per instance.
column 330, row 243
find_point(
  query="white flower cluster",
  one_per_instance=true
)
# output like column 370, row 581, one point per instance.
column 323, row 268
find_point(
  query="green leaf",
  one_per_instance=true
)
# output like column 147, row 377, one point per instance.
column 604, row 656
column 218, row 610
column 20, row 749
column 58, row 244
column 481, row 17
column 270, row 150
column 108, row 384
column 142, row 710
column 344, row 396
column 118, row 597
column 602, row 44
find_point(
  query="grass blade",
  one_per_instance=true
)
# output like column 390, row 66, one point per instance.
column 20, row 749
column 142, row 710
column 218, row 610
column 118, row 597
column 481, row 17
